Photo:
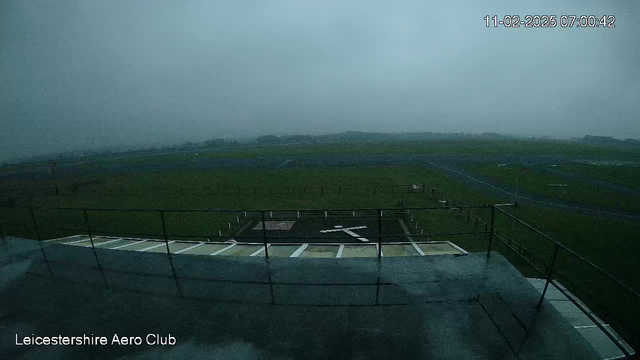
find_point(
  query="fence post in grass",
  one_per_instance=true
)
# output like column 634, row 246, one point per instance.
column 164, row 232
column 35, row 228
column 550, row 273
column 493, row 211
column 379, row 234
column 264, row 236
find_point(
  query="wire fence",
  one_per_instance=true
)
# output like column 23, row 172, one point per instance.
column 96, row 190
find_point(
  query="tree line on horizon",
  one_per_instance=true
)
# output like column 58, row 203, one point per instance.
column 343, row 137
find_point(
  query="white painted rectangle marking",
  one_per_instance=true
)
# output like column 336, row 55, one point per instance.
column 107, row 242
column 259, row 251
column 299, row 251
column 126, row 245
column 64, row 238
column 408, row 234
column 223, row 249
column 155, row 246
column 189, row 248
column 340, row 250
column 77, row 241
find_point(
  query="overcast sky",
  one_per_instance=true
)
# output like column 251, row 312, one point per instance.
column 88, row 73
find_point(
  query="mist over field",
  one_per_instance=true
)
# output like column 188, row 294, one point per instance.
column 92, row 74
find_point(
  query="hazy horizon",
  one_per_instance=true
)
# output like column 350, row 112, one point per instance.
column 85, row 74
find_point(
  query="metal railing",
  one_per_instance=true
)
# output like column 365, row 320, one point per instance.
column 92, row 188
column 551, row 270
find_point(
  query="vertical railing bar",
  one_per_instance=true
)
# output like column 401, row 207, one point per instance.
column 493, row 210
column 166, row 243
column 549, row 274
column 264, row 236
column 379, row 234
column 93, row 248
column 164, row 232
column 35, row 228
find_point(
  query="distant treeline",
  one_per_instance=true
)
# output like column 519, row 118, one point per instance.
column 609, row 140
column 344, row 137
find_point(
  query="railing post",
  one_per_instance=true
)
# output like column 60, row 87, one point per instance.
column 493, row 212
column 164, row 232
column 93, row 248
column 550, row 273
column 86, row 222
column 264, row 236
column 379, row 234
column 35, row 228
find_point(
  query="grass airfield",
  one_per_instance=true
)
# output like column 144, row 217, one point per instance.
column 304, row 183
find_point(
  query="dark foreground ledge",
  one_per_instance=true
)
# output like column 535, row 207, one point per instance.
column 433, row 307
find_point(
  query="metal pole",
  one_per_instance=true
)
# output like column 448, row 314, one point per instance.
column 35, row 227
column 379, row 234
column 86, row 221
column 164, row 231
column 264, row 236
column 513, row 221
column 493, row 211
column 166, row 243
column 546, row 285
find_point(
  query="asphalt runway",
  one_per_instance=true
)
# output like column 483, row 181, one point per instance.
column 494, row 188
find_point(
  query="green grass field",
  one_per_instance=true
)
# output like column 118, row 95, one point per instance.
column 568, row 149
column 611, row 244
column 628, row 176
column 538, row 183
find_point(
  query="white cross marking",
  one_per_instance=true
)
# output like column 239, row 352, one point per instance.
column 348, row 231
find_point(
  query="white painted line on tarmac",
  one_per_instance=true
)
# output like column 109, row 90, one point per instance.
column 340, row 250
column 299, row 251
column 189, row 248
column 127, row 245
column 408, row 234
column 351, row 233
column 106, row 242
column 259, row 251
column 155, row 246
column 223, row 249
column 77, row 241
column 590, row 326
column 463, row 251
column 64, row 238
